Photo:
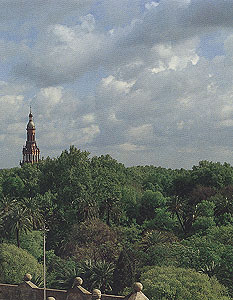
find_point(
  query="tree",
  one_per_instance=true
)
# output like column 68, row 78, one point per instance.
column 153, row 211
column 181, row 284
column 12, row 186
column 175, row 206
column 31, row 176
column 15, row 263
column 125, row 271
column 46, row 206
column 150, row 201
column 110, row 210
column 212, row 174
column 224, row 235
column 60, row 272
column 6, row 206
column 33, row 243
column 210, row 254
column 108, row 178
column 156, row 248
column 201, row 253
column 93, row 240
column 34, row 211
column 67, row 184
column 162, row 220
column 158, row 179
column 18, row 220
column 98, row 274
column 130, row 204
column 223, row 201
column 184, row 204
column 204, row 216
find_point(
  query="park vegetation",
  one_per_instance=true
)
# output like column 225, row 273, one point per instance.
column 111, row 225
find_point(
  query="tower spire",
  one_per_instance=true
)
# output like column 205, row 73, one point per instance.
column 31, row 153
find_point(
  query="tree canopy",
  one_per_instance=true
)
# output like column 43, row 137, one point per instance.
column 123, row 220
column 15, row 263
column 179, row 283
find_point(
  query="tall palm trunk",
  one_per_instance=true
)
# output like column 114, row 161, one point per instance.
column 17, row 237
column 181, row 223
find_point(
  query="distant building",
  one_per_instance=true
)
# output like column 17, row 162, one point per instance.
column 31, row 153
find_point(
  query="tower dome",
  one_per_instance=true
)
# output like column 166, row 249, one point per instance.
column 31, row 125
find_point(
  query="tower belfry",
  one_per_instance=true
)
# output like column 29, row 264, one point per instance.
column 31, row 153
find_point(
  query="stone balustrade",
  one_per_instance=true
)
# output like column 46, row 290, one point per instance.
column 29, row 291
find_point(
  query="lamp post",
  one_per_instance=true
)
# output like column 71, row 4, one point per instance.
column 45, row 230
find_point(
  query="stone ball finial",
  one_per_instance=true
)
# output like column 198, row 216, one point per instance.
column 138, row 286
column 96, row 294
column 51, row 298
column 27, row 277
column 78, row 281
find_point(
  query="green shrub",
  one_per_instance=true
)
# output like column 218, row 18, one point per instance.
column 171, row 283
column 15, row 263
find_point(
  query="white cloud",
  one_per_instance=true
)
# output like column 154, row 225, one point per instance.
column 115, row 13
column 131, row 147
column 64, row 53
column 152, row 4
column 88, row 23
column 227, row 123
column 88, row 134
column 142, row 134
column 124, row 76
column 118, row 85
column 180, row 125
column 2, row 137
column 15, row 128
column 227, row 110
column 178, row 20
column 10, row 107
column 39, row 13
column 158, row 69
column 53, row 95
column 88, row 118
column 228, row 45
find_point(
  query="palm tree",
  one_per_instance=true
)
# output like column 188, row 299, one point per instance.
column 6, row 206
column 88, row 208
column 66, row 271
column 97, row 274
column 34, row 211
column 18, row 220
column 175, row 207
column 111, row 209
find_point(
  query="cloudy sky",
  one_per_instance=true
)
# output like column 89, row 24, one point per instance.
column 149, row 82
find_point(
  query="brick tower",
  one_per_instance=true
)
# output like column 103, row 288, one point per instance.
column 31, row 153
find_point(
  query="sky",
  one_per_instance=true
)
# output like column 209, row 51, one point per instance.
column 148, row 82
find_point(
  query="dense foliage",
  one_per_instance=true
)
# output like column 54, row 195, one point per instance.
column 168, row 283
column 15, row 263
column 108, row 223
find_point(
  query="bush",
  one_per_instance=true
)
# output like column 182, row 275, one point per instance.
column 33, row 243
column 15, row 263
column 168, row 283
